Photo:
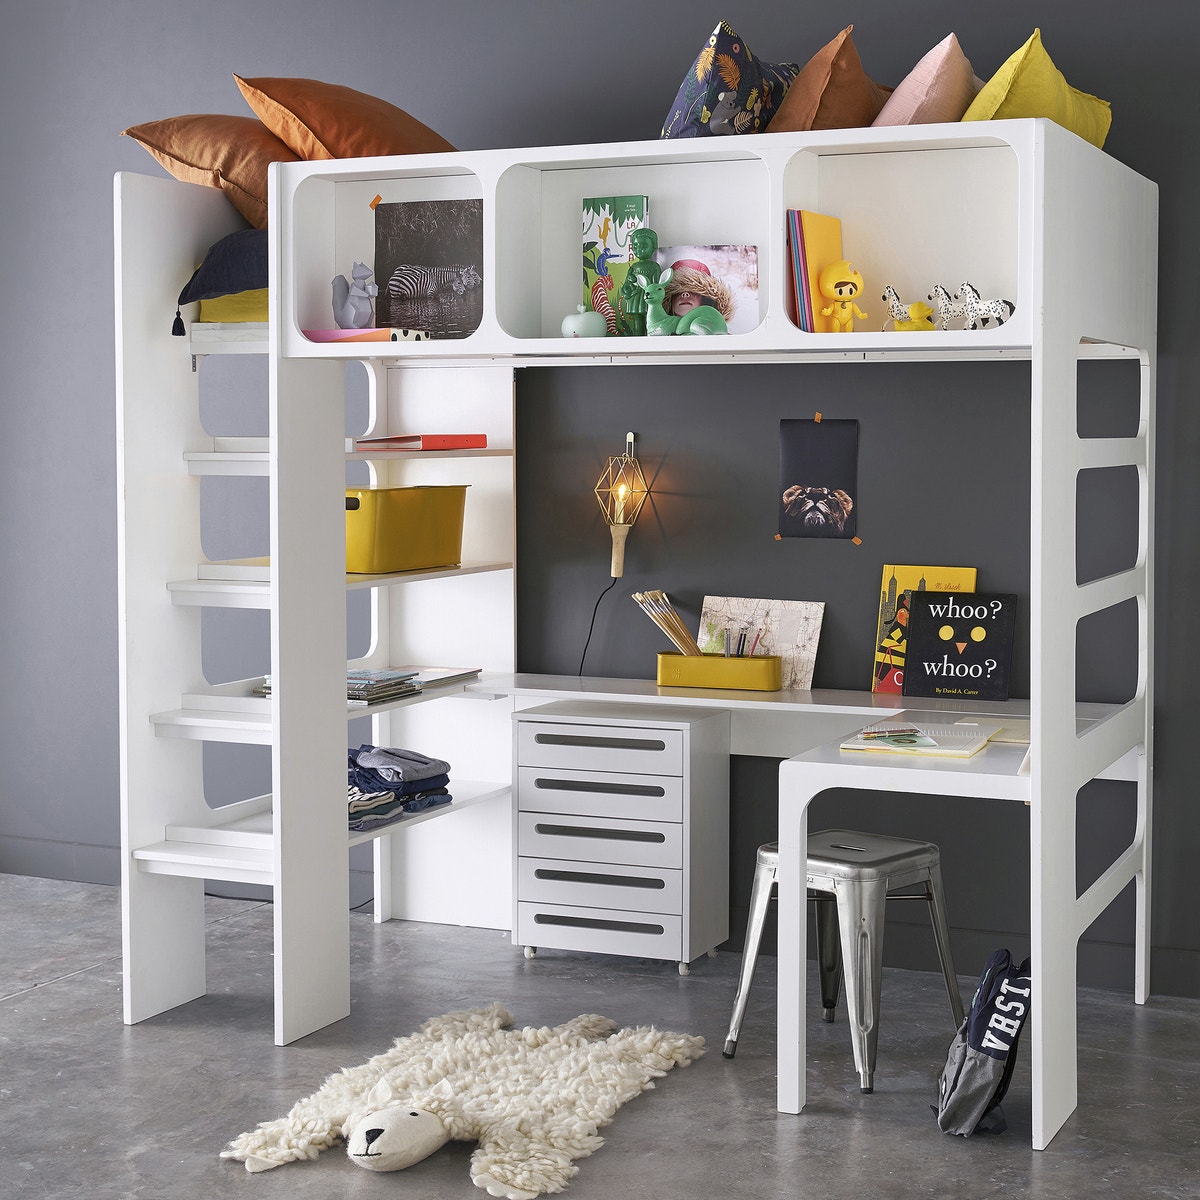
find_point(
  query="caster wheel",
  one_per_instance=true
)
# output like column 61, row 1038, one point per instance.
column 685, row 968
column 530, row 951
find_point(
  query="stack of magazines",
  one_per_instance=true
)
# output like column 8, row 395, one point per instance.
column 365, row 686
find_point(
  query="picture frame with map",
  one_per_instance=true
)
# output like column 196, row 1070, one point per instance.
column 789, row 628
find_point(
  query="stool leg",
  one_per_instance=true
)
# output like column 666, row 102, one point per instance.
column 941, row 935
column 861, row 908
column 760, row 898
column 829, row 952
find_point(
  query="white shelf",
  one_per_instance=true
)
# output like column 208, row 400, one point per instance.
column 228, row 337
column 256, row 593
column 241, row 849
column 232, row 713
column 250, row 462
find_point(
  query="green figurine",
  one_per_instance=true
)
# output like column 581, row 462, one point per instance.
column 644, row 243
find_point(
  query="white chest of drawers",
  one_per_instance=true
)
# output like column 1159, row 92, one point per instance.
column 622, row 830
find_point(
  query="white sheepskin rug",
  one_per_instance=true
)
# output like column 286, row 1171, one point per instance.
column 532, row 1098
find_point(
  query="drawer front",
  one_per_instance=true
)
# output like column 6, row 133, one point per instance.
column 600, row 748
column 600, row 840
column 598, row 794
column 600, row 931
column 600, row 885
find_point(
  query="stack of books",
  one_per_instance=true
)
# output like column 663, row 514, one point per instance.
column 815, row 242
column 369, row 686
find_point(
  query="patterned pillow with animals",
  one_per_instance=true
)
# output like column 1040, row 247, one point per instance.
column 727, row 90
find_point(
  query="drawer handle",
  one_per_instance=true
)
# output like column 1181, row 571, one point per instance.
column 598, row 923
column 610, row 789
column 612, row 835
column 604, row 743
column 635, row 881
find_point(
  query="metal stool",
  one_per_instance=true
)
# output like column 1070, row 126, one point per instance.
column 858, row 871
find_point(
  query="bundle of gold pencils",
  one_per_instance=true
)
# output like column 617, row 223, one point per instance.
column 660, row 610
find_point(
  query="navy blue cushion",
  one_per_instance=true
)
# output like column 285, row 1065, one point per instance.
column 237, row 263
column 727, row 90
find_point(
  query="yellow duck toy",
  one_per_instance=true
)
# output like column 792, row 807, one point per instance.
column 911, row 318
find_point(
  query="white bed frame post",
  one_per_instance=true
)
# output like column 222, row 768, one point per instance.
column 1075, row 282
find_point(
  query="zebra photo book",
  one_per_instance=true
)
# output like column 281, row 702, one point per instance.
column 429, row 266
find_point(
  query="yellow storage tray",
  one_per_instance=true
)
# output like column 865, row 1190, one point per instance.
column 756, row 673
column 404, row 528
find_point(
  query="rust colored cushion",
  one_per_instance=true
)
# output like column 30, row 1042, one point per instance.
column 230, row 153
column 832, row 91
column 325, row 120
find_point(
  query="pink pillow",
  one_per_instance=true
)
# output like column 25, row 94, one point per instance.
column 939, row 88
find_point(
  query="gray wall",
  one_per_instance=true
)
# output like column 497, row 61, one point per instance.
column 529, row 72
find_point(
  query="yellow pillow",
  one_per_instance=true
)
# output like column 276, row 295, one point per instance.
column 239, row 306
column 326, row 120
column 1030, row 85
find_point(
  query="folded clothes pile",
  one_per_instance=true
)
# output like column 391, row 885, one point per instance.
column 385, row 783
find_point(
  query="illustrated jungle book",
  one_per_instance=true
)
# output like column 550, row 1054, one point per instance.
column 608, row 222
column 891, row 634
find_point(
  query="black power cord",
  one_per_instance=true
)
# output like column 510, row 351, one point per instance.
column 592, row 626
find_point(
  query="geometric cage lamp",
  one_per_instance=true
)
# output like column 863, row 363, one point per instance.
column 621, row 492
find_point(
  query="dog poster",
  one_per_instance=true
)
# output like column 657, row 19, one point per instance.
column 818, row 478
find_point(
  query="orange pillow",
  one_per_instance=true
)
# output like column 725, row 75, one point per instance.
column 831, row 92
column 325, row 120
column 230, row 153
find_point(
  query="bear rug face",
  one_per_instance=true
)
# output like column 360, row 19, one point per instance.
column 533, row 1099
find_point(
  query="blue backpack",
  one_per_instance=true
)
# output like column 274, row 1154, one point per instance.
column 980, row 1063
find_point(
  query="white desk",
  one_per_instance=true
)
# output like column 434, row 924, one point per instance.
column 1055, row 926
column 805, row 728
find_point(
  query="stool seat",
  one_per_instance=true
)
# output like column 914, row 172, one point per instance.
column 852, row 874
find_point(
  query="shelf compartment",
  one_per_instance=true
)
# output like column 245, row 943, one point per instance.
column 696, row 197
column 239, row 848
column 347, row 207
column 918, row 217
column 919, row 206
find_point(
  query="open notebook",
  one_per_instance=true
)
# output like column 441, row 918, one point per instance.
column 938, row 739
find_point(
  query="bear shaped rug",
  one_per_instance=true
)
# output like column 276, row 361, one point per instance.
column 532, row 1098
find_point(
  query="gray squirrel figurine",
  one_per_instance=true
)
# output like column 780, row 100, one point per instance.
column 354, row 302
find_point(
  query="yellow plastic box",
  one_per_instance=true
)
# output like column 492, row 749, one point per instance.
column 757, row 673
column 404, row 528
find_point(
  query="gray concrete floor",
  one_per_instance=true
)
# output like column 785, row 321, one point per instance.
column 95, row 1109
